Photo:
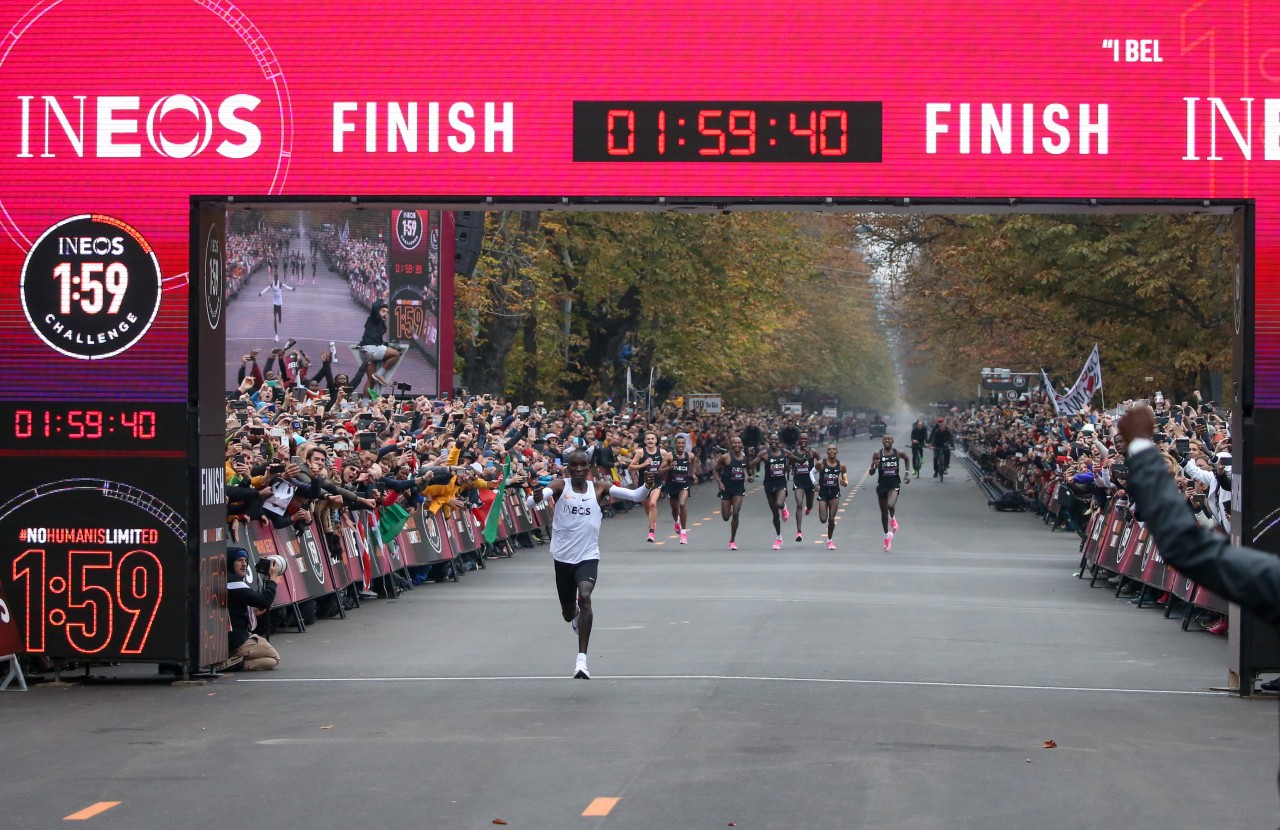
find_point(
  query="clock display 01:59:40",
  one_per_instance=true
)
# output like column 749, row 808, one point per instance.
column 84, row 424
column 725, row 131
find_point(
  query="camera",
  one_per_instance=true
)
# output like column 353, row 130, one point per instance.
column 263, row 565
column 404, row 387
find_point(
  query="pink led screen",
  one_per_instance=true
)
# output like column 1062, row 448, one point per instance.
column 127, row 110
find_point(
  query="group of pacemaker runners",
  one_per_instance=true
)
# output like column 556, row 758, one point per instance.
column 812, row 477
column 575, row 528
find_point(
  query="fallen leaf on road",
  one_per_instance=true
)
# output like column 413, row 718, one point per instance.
column 499, row 821
column 1028, row 760
column 1050, row 744
column 330, row 726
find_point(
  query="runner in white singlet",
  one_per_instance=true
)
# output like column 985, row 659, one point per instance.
column 575, row 542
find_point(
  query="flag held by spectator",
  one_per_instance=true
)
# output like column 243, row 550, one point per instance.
column 495, row 509
column 1087, row 385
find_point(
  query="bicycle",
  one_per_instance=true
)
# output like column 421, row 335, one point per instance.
column 940, row 463
column 917, row 458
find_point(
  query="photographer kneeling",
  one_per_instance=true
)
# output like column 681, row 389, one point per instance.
column 255, row 652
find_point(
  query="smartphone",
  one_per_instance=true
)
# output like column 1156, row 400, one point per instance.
column 296, row 461
column 257, row 431
column 368, row 440
column 1182, row 444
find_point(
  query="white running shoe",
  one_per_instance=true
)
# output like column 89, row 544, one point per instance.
column 277, row 338
column 580, row 668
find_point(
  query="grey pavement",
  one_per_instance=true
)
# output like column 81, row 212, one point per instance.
column 801, row 688
column 318, row 311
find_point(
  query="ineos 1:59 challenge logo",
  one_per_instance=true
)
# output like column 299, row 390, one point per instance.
column 213, row 284
column 90, row 287
column 409, row 229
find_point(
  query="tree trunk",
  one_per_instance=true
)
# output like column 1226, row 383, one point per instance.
column 511, row 292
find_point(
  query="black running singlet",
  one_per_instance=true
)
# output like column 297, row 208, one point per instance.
column 802, row 464
column 678, row 474
column 775, row 469
column 737, row 469
column 889, row 467
column 653, row 459
column 829, row 476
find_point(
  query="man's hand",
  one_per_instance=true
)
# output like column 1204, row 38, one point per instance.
column 1138, row 422
column 291, row 470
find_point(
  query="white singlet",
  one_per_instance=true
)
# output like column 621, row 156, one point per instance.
column 575, row 527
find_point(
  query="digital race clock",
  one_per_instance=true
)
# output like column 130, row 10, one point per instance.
column 726, row 131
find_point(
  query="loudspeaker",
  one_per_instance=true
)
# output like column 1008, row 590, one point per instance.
column 468, row 237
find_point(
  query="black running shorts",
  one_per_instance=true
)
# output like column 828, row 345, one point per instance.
column 569, row 575
column 828, row 493
column 885, row 489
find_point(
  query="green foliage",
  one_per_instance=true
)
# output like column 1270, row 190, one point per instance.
column 745, row 304
column 1026, row 292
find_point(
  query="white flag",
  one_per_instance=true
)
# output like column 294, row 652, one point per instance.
column 1087, row 385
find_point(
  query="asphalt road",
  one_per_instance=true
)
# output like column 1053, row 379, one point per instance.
column 805, row 688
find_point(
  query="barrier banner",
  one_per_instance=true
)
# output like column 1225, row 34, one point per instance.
column 1117, row 518
column 410, row 538
column 464, row 531
column 338, row 559
column 517, row 515
column 352, row 554
column 10, row 636
column 261, row 541
column 1128, row 558
column 542, row 514
column 434, row 543
column 1202, row 597
column 1153, row 570
column 308, row 574
column 375, row 557
column 1093, row 538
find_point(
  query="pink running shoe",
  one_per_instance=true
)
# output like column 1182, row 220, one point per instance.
column 777, row 545
column 893, row 525
column 677, row 527
column 733, row 546
column 684, row 538
column 806, row 510
column 888, row 542
column 831, row 545
column 651, row 536
column 786, row 514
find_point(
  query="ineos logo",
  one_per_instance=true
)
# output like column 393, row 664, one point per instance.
column 117, row 117
column 433, row 533
column 313, row 553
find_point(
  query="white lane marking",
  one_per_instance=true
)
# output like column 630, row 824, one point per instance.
column 747, row 678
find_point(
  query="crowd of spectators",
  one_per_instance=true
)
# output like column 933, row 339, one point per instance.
column 1075, row 463
column 303, row 445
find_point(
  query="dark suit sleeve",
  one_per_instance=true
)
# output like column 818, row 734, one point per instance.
column 1246, row 576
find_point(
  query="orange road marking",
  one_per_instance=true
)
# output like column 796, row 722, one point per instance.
column 600, row 807
column 92, row 810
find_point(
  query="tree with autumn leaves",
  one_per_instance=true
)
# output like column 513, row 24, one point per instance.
column 744, row 304
column 1030, row 292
